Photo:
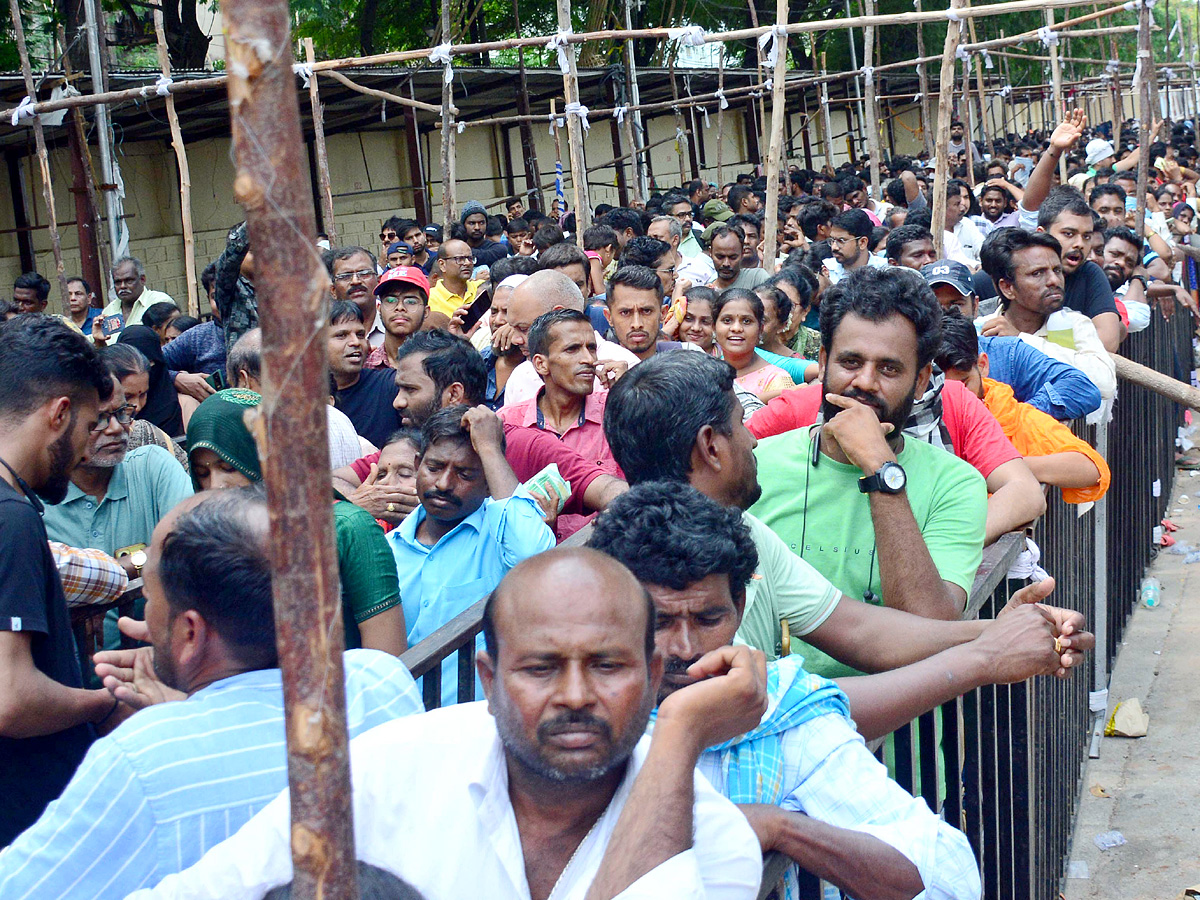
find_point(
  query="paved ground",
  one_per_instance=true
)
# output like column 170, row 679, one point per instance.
column 1153, row 783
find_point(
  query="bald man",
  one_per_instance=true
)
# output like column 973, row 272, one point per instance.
column 540, row 293
column 540, row 786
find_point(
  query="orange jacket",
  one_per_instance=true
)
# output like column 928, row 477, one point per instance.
column 1034, row 433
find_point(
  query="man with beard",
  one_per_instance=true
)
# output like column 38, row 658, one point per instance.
column 726, row 246
column 474, row 220
column 849, row 239
column 355, row 275
column 562, row 347
column 366, row 396
column 802, row 775
column 1128, row 278
column 206, row 751
column 409, row 231
column 475, row 522
column 551, row 787
column 403, row 294
column 957, row 144
column 1027, row 269
column 51, row 384
column 117, row 496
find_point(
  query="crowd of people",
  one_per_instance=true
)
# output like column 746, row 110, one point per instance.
column 726, row 512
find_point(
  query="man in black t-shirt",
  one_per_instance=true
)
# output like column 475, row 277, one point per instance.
column 51, row 384
column 364, row 395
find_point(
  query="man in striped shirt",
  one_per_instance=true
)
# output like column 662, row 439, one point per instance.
column 179, row 777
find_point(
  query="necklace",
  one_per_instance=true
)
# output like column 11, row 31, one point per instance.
column 567, row 867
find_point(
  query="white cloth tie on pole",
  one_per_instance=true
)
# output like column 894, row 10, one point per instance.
column 619, row 114
column 304, row 70
column 951, row 15
column 773, row 36
column 24, row 110
column 162, row 87
column 1112, row 67
column 961, row 52
column 580, row 111
column 724, row 100
column 987, row 59
column 560, row 45
column 868, row 74
column 1048, row 37
column 1168, row 74
column 1006, row 91
column 769, row 85
column 704, row 109
column 441, row 55
column 680, row 139
column 689, row 35
column 917, row 98
column 461, row 126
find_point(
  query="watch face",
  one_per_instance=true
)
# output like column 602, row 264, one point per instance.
column 893, row 477
column 138, row 558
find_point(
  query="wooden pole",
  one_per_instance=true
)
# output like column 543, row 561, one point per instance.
column 1057, row 103
column 923, row 86
column 681, row 136
column 984, row 132
column 533, row 177
column 826, row 121
column 641, row 161
column 872, row 123
column 416, row 165
column 1146, row 113
column 969, row 129
column 318, row 122
column 185, row 174
column 720, row 117
column 583, row 207
column 448, row 132
column 942, row 143
column 87, row 216
column 39, row 138
column 293, row 289
column 775, row 147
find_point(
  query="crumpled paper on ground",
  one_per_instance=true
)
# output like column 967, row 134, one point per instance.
column 1127, row 720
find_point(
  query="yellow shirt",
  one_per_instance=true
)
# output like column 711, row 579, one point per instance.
column 441, row 300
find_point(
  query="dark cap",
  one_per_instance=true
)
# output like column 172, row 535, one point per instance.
column 947, row 271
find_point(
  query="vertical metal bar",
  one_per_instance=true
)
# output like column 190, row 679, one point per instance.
column 292, row 288
column 112, row 203
column 466, row 672
column 431, row 687
column 1145, row 65
column 923, row 86
column 641, row 159
column 533, row 177
column 614, row 130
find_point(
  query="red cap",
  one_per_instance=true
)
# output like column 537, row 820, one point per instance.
column 407, row 274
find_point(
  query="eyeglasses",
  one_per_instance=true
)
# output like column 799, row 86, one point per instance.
column 347, row 277
column 838, row 242
column 124, row 416
column 409, row 302
column 669, row 270
column 387, row 236
column 459, row 260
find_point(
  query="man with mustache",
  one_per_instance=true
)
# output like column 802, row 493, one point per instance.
column 1027, row 269
column 1122, row 263
column 475, row 522
column 117, row 496
column 354, row 274
column 364, row 395
column 562, row 347
column 52, row 382
column 726, row 246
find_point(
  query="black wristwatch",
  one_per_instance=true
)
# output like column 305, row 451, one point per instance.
column 890, row 479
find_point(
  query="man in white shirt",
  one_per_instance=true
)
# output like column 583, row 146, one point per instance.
column 523, row 796
column 849, row 239
column 539, row 294
column 958, row 223
column 133, row 297
column 1026, row 268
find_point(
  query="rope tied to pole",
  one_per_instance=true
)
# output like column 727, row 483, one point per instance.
column 441, row 54
column 462, row 126
column 24, row 110
column 1048, row 37
column 724, row 100
column 619, row 112
column 950, row 14
column 574, row 108
column 162, row 87
column 868, row 74
column 917, row 98
column 773, row 37
column 559, row 44
column 304, row 70
column 961, row 52
column 1006, row 91
column 688, row 36
column 704, row 110
column 556, row 122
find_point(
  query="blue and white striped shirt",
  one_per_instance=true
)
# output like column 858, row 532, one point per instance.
column 177, row 778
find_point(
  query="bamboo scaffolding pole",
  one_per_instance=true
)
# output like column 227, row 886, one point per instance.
column 827, row 125
column 533, row 175
column 398, row 99
column 318, row 121
column 292, row 286
column 1057, row 103
column 1146, row 113
column 681, row 136
column 39, row 137
column 872, row 105
column 720, row 117
column 775, row 147
column 185, row 172
column 448, row 131
column 640, row 160
column 942, row 143
column 923, row 86
column 984, row 131
column 628, row 34
column 583, row 207
column 969, row 131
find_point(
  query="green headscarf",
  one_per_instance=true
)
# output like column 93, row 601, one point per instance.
column 218, row 424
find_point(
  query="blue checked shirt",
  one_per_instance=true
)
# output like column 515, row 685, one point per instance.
column 177, row 778
column 1056, row 388
column 828, row 774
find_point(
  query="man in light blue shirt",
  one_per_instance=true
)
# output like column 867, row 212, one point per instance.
column 475, row 522
column 206, row 751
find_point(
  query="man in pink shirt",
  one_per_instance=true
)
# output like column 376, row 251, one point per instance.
column 562, row 348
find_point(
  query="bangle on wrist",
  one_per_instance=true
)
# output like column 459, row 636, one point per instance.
column 108, row 715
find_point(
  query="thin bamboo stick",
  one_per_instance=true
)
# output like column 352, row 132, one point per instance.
column 318, row 120
column 942, row 143
column 775, row 147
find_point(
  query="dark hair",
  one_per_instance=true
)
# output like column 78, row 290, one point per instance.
column 444, row 424
column 343, row 311
column 373, row 884
column 674, row 200
column 639, row 277
column 644, row 251
column 732, row 295
column 33, row 281
column 215, row 561
column 184, row 322
column 1124, row 233
column 894, row 192
column 996, row 253
column 796, row 276
column 123, row 360
column 905, row 234
column 855, row 222
column 158, row 314
column 404, row 226
column 781, row 302
column 513, row 226
column 540, row 332
column 878, row 294
column 509, row 201
column 671, row 535
column 394, row 223
column 741, row 220
column 623, row 217
column 724, row 230
column 448, row 360
column 1101, row 190
column 737, row 194
column 1064, row 199
column 41, row 358
column 546, row 236
column 831, row 189
column 959, row 349
column 511, row 265
column 701, row 292
column 408, row 433
column 813, row 215
column 494, row 227
column 207, row 278
column 329, row 257
column 851, row 183
column 564, row 253
column 597, row 236
column 657, row 408
column 87, row 288
column 922, row 217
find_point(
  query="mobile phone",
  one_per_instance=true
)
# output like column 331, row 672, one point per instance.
column 111, row 325
column 1130, row 204
column 475, row 312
